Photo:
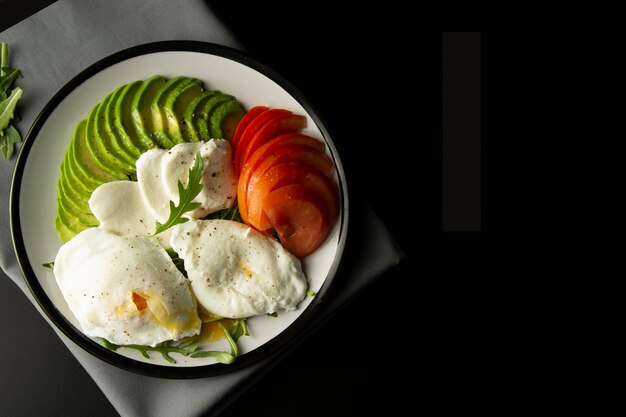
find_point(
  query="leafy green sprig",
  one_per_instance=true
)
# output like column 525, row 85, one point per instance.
column 189, row 347
column 185, row 197
column 223, row 357
column 185, row 347
column 9, row 135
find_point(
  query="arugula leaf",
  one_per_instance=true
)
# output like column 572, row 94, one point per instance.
column 9, row 136
column 8, row 139
column 7, row 107
column 7, row 79
column 178, row 263
column 212, row 319
column 240, row 330
column 4, row 56
column 185, row 347
column 185, row 197
column 227, row 214
column 189, row 347
column 232, row 338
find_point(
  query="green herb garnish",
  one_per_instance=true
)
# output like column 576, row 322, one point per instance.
column 179, row 263
column 185, row 347
column 212, row 319
column 227, row 214
column 274, row 314
column 232, row 338
column 310, row 293
column 185, row 197
column 189, row 347
column 49, row 265
column 9, row 135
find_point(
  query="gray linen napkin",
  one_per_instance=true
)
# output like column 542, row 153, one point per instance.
column 70, row 35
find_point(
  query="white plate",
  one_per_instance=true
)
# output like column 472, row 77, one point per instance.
column 34, row 191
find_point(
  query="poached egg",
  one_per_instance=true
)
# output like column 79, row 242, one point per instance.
column 236, row 271
column 125, row 289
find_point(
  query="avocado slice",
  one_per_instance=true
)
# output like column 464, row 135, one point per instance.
column 122, row 149
column 63, row 231
column 123, row 123
column 176, row 104
column 81, row 183
column 124, row 158
column 69, row 214
column 205, row 113
column 159, row 118
column 73, row 194
column 226, row 109
column 192, row 112
column 99, row 145
column 69, row 219
column 142, row 114
column 85, row 161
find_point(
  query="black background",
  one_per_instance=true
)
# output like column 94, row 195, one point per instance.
column 438, row 333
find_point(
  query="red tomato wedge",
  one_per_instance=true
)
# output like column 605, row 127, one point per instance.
column 289, row 153
column 253, row 127
column 298, row 215
column 284, row 174
column 281, row 124
column 244, row 122
column 266, row 151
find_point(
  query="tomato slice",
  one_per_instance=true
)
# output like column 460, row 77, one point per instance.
column 285, row 139
column 288, row 153
column 281, row 124
column 248, row 133
column 244, row 122
column 284, row 174
column 298, row 215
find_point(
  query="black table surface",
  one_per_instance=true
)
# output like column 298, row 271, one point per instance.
column 444, row 322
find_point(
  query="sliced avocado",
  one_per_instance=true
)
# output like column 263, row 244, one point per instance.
column 123, row 150
column 123, row 123
column 141, row 112
column 71, row 222
column 81, row 183
column 175, row 106
column 100, row 146
column 229, row 108
column 69, row 214
column 63, row 231
column 205, row 113
column 104, row 128
column 159, row 118
column 191, row 113
column 85, row 161
column 74, row 195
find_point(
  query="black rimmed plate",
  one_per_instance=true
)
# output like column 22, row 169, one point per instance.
column 34, row 192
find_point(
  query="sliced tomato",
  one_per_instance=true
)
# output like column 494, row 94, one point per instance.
column 253, row 127
column 284, row 174
column 244, row 122
column 281, row 124
column 265, row 151
column 298, row 215
column 289, row 153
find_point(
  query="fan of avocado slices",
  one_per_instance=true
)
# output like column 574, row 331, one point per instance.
column 138, row 116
